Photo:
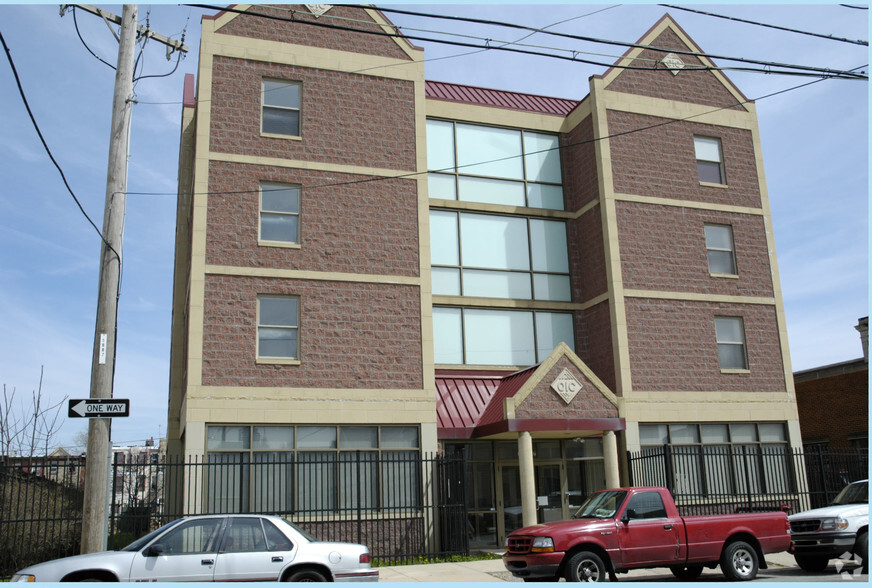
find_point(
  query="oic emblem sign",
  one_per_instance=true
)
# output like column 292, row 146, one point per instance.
column 566, row 385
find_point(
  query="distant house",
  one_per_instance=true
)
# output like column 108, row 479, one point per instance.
column 58, row 466
column 833, row 401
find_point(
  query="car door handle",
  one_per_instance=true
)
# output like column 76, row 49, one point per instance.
column 207, row 562
column 278, row 558
column 667, row 527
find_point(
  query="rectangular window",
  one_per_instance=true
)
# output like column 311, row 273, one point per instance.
column 720, row 460
column 494, row 165
column 709, row 160
column 281, row 107
column 720, row 249
column 730, row 332
column 278, row 325
column 480, row 336
column 279, row 213
column 492, row 256
column 288, row 469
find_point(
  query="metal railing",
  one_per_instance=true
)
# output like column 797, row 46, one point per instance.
column 402, row 505
column 720, row 479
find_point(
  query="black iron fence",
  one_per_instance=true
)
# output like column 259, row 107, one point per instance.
column 720, row 479
column 400, row 504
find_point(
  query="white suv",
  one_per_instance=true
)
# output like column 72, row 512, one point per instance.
column 834, row 531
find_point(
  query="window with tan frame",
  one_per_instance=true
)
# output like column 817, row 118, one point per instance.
column 281, row 107
column 709, row 160
column 279, row 214
column 732, row 354
column 278, row 326
column 720, row 249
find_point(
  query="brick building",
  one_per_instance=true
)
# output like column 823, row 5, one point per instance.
column 370, row 260
column 833, row 401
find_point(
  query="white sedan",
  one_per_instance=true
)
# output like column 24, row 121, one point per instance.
column 219, row 548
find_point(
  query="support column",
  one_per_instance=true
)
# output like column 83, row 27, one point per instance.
column 528, row 479
column 610, row 456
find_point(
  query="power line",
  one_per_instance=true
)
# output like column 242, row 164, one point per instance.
column 603, row 41
column 801, row 70
column 769, row 26
column 576, row 144
column 46, row 147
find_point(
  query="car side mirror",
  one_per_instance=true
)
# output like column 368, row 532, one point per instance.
column 154, row 550
column 630, row 513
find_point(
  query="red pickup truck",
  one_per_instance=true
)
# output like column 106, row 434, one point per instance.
column 618, row 530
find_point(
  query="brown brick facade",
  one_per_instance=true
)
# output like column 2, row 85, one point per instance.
column 593, row 331
column 367, row 228
column 673, row 346
column 698, row 87
column 314, row 31
column 355, row 336
column 660, row 162
column 663, row 248
column 345, row 119
column 545, row 403
column 834, row 407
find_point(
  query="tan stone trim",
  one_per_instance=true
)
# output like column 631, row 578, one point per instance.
column 562, row 350
column 708, row 406
column 492, row 115
column 651, row 37
column 695, row 297
column 611, row 245
column 311, row 406
column 245, row 394
column 577, row 116
column 506, row 303
column 312, row 57
column 780, row 316
column 311, row 165
column 279, row 245
column 429, row 435
column 690, row 204
column 277, row 361
column 259, row 272
column 679, row 111
column 464, row 206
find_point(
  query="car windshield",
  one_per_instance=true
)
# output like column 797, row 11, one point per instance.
column 856, row 493
column 143, row 541
column 602, row 505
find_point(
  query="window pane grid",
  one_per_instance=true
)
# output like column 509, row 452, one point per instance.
column 735, row 458
column 281, row 107
column 277, row 327
column 494, row 165
column 490, row 256
column 322, row 478
column 709, row 159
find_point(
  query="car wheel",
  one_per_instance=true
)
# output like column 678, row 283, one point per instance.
column 861, row 551
column 686, row 572
column 306, row 575
column 812, row 563
column 739, row 561
column 586, row 566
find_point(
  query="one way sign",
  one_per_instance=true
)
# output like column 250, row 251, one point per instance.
column 99, row 407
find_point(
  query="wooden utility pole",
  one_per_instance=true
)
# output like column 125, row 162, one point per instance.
column 95, row 516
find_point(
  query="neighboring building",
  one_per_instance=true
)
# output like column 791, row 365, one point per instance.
column 572, row 280
column 138, row 475
column 833, row 401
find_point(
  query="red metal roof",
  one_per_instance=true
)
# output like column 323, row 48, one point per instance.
column 499, row 98
column 466, row 399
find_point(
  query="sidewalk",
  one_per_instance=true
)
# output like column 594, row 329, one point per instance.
column 492, row 570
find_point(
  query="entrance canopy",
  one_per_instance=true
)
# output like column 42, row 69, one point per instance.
column 560, row 395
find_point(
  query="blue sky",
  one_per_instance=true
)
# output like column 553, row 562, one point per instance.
column 815, row 143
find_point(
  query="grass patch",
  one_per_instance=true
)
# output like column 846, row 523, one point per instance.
column 435, row 559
